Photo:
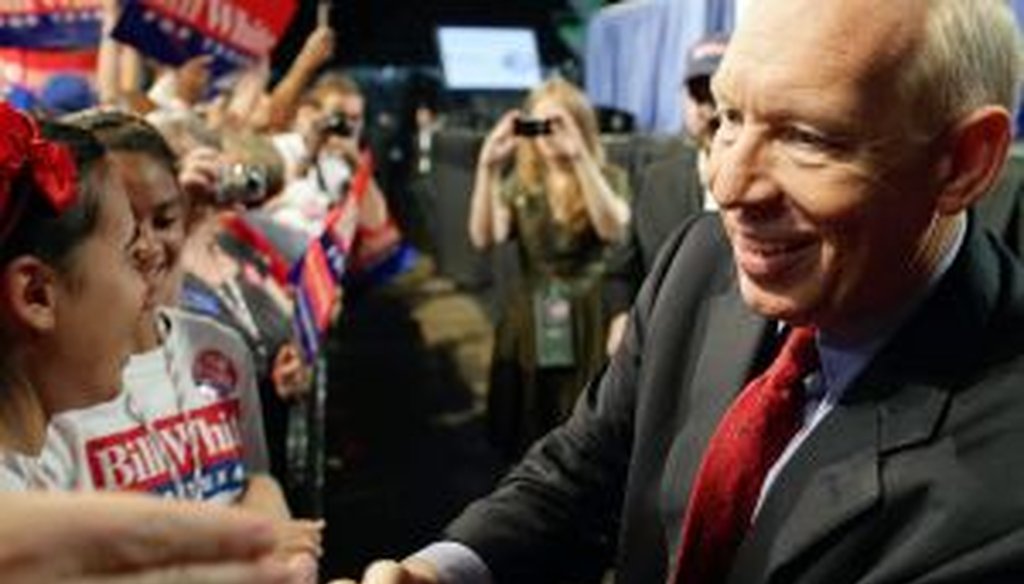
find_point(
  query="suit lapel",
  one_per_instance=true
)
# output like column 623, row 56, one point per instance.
column 831, row 479
column 734, row 335
column 896, row 403
column 834, row 476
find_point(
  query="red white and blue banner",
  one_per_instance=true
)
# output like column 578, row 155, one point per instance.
column 235, row 33
column 349, row 254
column 31, row 68
column 50, row 24
column 319, row 274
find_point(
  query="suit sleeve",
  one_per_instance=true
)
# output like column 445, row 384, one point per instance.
column 555, row 516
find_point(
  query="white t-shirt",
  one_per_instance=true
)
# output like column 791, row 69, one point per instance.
column 305, row 202
column 19, row 472
column 146, row 438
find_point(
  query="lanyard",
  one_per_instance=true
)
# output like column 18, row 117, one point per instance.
column 155, row 438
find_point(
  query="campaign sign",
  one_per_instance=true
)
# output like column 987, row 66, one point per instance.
column 31, row 68
column 50, row 24
column 316, row 291
column 318, row 275
column 234, row 32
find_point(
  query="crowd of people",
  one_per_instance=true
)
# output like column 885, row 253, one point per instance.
column 793, row 355
column 149, row 328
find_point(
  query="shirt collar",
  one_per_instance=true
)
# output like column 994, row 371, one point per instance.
column 842, row 362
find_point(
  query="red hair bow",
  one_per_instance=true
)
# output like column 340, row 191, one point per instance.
column 51, row 166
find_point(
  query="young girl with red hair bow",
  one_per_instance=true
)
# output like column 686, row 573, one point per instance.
column 69, row 292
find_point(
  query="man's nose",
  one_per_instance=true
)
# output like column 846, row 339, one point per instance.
column 740, row 171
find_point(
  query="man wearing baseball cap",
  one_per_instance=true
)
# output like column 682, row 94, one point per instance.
column 671, row 189
column 699, row 107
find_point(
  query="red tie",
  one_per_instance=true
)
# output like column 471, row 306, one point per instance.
column 749, row 439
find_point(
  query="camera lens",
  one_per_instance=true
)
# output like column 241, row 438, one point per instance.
column 337, row 125
column 242, row 183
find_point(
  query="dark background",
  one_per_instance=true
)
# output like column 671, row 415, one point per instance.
column 401, row 32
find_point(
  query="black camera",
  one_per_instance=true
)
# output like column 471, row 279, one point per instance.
column 337, row 125
column 531, row 127
column 242, row 183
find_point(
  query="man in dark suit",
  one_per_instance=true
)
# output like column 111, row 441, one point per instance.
column 855, row 136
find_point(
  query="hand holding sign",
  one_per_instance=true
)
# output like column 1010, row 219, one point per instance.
column 193, row 78
column 317, row 50
column 234, row 32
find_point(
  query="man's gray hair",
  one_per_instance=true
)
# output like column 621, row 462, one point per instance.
column 970, row 57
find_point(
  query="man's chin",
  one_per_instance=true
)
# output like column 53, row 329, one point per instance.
column 774, row 304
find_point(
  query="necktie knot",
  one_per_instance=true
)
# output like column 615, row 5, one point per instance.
column 797, row 358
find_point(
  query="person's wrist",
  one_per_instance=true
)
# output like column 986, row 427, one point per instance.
column 421, row 570
column 495, row 162
column 581, row 158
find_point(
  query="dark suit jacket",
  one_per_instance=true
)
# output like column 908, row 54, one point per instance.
column 1001, row 209
column 916, row 476
column 669, row 192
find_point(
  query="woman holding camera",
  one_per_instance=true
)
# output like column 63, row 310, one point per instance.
column 563, row 204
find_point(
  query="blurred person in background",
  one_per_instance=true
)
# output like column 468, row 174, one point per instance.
column 66, row 93
column 670, row 191
column 321, row 153
column 324, row 153
column 235, row 260
column 70, row 294
column 563, row 204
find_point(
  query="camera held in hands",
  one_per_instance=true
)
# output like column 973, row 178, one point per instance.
column 242, row 183
column 337, row 125
column 531, row 127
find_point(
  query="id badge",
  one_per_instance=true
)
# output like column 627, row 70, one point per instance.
column 552, row 317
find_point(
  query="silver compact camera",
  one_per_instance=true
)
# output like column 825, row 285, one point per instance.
column 242, row 183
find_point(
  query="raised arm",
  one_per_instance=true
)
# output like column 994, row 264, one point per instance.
column 284, row 98
column 489, row 217
column 607, row 210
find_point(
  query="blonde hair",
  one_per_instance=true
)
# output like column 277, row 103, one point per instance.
column 333, row 82
column 530, row 168
column 969, row 57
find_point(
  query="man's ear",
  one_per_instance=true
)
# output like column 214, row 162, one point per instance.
column 975, row 152
column 28, row 292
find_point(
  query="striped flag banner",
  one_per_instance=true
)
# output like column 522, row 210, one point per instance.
column 50, row 24
column 319, row 274
column 32, row 68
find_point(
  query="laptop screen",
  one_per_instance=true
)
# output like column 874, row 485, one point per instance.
column 489, row 58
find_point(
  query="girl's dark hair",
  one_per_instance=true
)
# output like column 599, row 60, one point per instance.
column 121, row 131
column 38, row 229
